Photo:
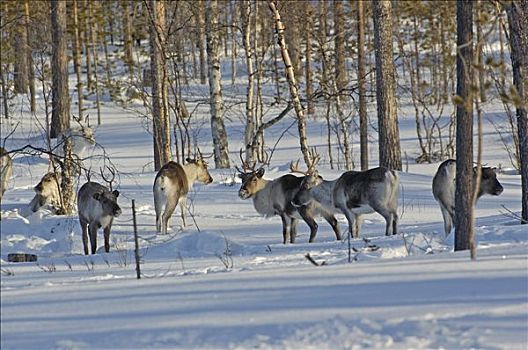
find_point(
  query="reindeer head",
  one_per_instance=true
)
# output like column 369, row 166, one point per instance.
column 200, row 167
column 252, row 180
column 489, row 183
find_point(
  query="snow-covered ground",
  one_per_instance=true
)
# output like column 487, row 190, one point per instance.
column 226, row 281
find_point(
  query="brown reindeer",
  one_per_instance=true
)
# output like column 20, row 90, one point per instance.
column 171, row 186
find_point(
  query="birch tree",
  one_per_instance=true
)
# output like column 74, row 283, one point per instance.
column 389, row 137
column 290, row 75
column 363, row 119
column 160, row 109
column 221, row 150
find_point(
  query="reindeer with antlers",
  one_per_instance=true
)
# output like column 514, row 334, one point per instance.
column 273, row 197
column 172, row 184
column 354, row 193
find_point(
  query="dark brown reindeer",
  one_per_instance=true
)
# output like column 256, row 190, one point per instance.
column 444, row 189
column 171, row 186
column 355, row 193
column 273, row 197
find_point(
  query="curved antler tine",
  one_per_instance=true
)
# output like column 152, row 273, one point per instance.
column 198, row 153
column 314, row 158
column 295, row 168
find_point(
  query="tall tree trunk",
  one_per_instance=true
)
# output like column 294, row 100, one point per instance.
column 363, row 119
column 21, row 75
column 201, row 41
column 31, row 68
column 518, row 22
column 339, row 39
column 93, row 46
column 160, row 112
column 480, row 44
column 87, row 48
column 221, row 150
column 248, row 49
column 464, row 221
column 77, row 58
column 127, row 37
column 290, row 75
column 308, row 32
column 389, row 136
column 60, row 115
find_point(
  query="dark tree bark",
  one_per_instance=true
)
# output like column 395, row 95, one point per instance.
column 464, row 221
column 339, row 40
column 389, row 136
column 60, row 114
column 518, row 22
column 21, row 74
column 363, row 119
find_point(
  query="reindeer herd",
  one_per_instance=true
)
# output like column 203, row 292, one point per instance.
column 306, row 197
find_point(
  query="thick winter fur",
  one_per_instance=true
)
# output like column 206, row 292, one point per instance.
column 47, row 192
column 171, row 186
column 97, row 207
column 444, row 185
column 6, row 170
column 274, row 197
column 355, row 193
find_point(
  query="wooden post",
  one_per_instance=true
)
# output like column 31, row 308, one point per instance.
column 136, row 251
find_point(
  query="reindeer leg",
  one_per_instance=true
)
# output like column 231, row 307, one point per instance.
column 351, row 218
column 331, row 219
column 293, row 230
column 84, row 228
column 107, row 237
column 310, row 221
column 93, row 236
column 394, row 222
column 183, row 208
column 285, row 228
column 358, row 223
column 169, row 209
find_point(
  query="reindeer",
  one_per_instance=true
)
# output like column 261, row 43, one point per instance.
column 47, row 192
column 97, row 207
column 6, row 170
column 273, row 197
column 444, row 184
column 171, row 186
column 354, row 193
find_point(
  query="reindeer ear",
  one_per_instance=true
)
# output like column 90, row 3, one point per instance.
column 97, row 196
column 115, row 193
column 260, row 172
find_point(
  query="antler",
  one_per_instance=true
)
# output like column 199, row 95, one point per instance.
column 245, row 165
column 314, row 159
column 294, row 168
column 109, row 181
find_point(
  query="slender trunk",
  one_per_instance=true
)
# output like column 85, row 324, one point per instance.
column 21, row 76
column 201, row 41
column 93, row 46
column 464, row 221
column 234, row 52
column 308, row 61
column 4, row 91
column 30, row 64
column 60, row 117
column 363, row 118
column 480, row 44
column 221, row 151
column 290, row 75
column 87, row 47
column 339, row 32
column 127, row 37
column 248, row 48
column 77, row 59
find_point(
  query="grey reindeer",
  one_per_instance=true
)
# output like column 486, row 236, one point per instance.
column 355, row 193
column 444, row 184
